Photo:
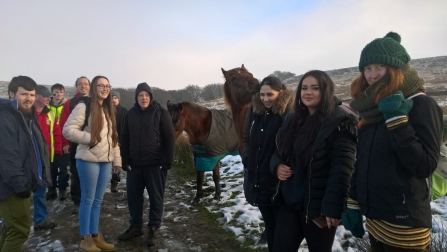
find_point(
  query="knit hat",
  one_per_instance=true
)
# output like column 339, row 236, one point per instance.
column 44, row 91
column 117, row 94
column 386, row 50
column 274, row 82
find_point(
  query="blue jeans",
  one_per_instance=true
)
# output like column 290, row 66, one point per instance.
column 40, row 207
column 93, row 178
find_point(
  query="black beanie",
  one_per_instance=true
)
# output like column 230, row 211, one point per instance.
column 386, row 50
column 274, row 82
column 143, row 86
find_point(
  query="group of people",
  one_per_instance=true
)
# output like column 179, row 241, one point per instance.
column 42, row 133
column 310, row 162
column 312, row 167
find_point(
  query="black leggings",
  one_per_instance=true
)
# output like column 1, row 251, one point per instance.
column 269, row 214
column 291, row 229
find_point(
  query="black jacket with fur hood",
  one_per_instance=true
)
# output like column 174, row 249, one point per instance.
column 260, row 128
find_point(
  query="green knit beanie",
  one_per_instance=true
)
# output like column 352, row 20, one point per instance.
column 386, row 50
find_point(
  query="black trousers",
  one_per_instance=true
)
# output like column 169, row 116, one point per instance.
column 75, row 186
column 154, row 180
column 269, row 215
column 59, row 174
column 291, row 229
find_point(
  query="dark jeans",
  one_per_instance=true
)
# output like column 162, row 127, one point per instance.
column 75, row 186
column 269, row 215
column 153, row 179
column 378, row 246
column 291, row 229
column 59, row 174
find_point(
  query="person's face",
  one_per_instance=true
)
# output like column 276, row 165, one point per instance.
column 102, row 88
column 374, row 72
column 310, row 93
column 42, row 101
column 268, row 95
column 58, row 94
column 82, row 86
column 25, row 99
column 115, row 101
column 144, row 98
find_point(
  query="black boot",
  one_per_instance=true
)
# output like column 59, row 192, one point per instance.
column 130, row 233
column 152, row 236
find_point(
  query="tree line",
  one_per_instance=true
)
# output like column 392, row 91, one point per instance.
column 191, row 93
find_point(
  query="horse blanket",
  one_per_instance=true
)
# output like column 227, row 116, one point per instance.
column 220, row 141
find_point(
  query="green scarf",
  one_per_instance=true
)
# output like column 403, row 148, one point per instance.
column 365, row 103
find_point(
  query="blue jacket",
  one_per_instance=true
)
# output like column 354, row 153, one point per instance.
column 18, row 160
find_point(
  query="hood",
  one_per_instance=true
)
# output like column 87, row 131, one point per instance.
column 279, row 106
column 143, row 86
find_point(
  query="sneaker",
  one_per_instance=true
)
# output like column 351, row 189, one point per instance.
column 130, row 233
column 45, row 225
column 51, row 194
column 152, row 236
column 75, row 209
column 114, row 186
column 62, row 195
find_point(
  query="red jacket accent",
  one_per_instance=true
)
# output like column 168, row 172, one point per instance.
column 44, row 124
column 64, row 116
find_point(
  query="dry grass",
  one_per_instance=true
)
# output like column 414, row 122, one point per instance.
column 183, row 159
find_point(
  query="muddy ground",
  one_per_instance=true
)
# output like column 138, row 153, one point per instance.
column 185, row 227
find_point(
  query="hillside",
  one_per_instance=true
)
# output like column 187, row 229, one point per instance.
column 433, row 70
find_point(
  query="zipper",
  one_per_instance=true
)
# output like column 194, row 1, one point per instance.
column 308, row 182
column 277, row 191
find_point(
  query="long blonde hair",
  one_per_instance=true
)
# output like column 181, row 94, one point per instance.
column 96, row 110
column 397, row 79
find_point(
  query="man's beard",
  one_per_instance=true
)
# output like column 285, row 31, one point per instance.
column 25, row 110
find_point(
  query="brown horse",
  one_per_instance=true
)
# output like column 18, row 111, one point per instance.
column 211, row 135
column 238, row 89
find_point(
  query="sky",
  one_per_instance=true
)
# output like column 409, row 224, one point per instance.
column 172, row 44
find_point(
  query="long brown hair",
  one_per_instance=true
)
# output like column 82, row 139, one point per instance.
column 396, row 80
column 96, row 109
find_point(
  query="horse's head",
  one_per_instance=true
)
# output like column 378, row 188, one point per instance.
column 239, row 86
column 175, row 110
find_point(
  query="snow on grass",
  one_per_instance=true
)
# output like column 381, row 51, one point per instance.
column 245, row 220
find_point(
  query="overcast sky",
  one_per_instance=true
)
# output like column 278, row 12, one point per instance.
column 170, row 44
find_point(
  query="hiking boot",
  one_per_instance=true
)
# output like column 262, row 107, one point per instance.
column 114, row 186
column 51, row 194
column 152, row 236
column 62, row 195
column 101, row 244
column 130, row 233
column 45, row 225
column 88, row 245
column 75, row 209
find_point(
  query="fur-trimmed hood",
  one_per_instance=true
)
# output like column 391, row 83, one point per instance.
column 279, row 106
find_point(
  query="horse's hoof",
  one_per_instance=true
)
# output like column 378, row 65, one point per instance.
column 217, row 197
column 195, row 201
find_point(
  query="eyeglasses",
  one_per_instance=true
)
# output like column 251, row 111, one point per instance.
column 103, row 87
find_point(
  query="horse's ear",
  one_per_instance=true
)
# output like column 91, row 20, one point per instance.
column 169, row 103
column 243, row 67
column 224, row 73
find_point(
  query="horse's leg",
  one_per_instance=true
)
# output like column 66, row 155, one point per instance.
column 216, row 179
column 199, row 194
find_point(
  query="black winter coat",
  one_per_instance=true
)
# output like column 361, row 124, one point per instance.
column 261, row 126
column 389, row 181
column 328, row 176
column 121, row 113
column 148, row 138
